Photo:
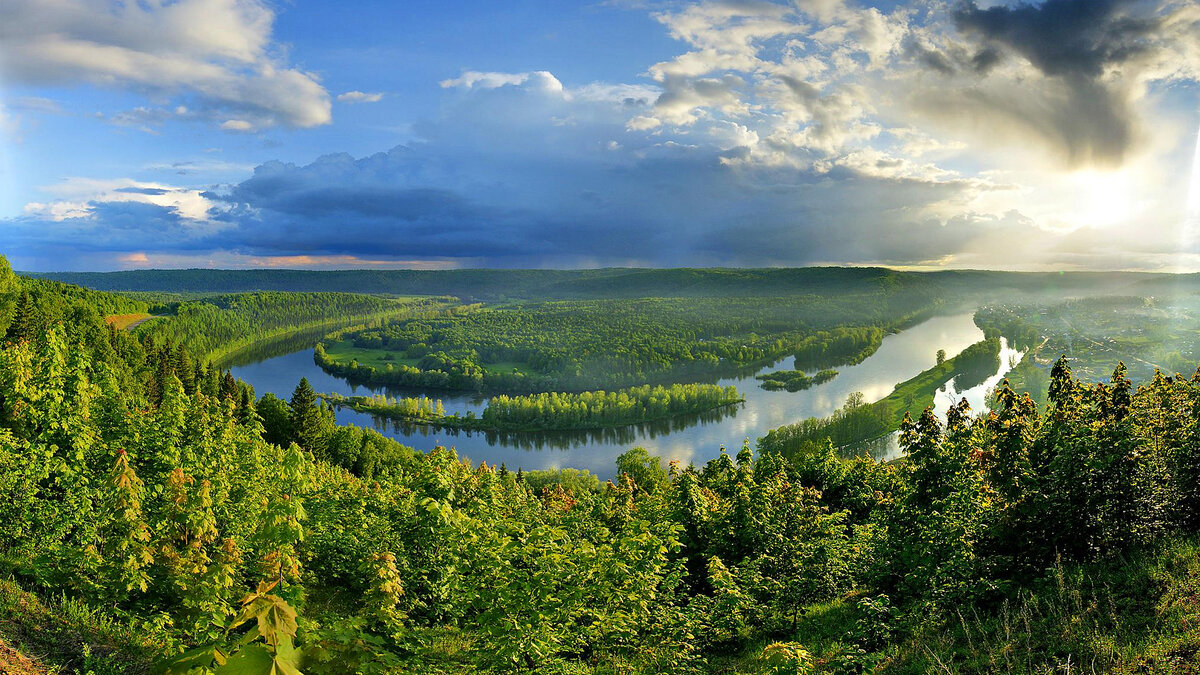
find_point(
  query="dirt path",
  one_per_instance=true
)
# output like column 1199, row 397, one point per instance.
column 13, row 662
column 139, row 322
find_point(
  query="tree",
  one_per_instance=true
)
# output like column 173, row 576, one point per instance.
column 126, row 537
column 276, row 417
column 8, row 291
column 27, row 322
column 941, row 356
column 307, row 418
column 646, row 471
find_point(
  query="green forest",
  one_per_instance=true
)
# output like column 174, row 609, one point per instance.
column 593, row 344
column 554, row 411
column 160, row 517
column 216, row 328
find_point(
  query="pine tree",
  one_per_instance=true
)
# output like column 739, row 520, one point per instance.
column 27, row 323
column 306, row 417
column 8, row 291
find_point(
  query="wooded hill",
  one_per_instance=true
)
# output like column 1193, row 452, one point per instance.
column 630, row 283
column 157, row 518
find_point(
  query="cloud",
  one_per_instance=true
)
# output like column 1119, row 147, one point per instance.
column 216, row 55
column 519, row 172
column 359, row 97
column 1066, row 72
column 1067, row 79
column 77, row 198
column 813, row 132
column 237, row 125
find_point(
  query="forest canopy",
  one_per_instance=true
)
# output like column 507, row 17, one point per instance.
column 161, row 518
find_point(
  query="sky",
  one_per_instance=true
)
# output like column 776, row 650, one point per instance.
column 922, row 134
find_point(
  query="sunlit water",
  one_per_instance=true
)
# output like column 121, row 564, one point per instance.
column 900, row 357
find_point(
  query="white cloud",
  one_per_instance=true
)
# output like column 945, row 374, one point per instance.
column 217, row 54
column 76, row 198
column 641, row 123
column 359, row 97
column 476, row 80
column 236, row 125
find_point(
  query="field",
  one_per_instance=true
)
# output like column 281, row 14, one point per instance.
column 127, row 321
column 345, row 351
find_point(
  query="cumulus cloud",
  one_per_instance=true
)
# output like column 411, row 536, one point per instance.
column 215, row 54
column 78, row 198
column 812, row 132
column 359, row 97
column 1067, row 78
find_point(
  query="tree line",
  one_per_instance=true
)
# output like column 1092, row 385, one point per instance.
column 556, row 411
column 795, row 380
column 217, row 327
column 582, row 345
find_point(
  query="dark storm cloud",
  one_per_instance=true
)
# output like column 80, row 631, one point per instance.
column 1074, row 43
column 1070, row 38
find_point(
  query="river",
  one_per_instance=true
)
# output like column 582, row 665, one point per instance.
column 900, row 357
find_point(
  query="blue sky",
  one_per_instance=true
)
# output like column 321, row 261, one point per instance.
column 246, row 133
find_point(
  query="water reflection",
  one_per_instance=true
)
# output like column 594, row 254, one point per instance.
column 696, row 439
column 977, row 395
column 887, row 448
column 628, row 435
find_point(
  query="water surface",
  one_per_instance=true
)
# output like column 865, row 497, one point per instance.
column 697, row 439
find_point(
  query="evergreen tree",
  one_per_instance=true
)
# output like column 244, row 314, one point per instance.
column 28, row 322
column 8, row 293
column 307, row 418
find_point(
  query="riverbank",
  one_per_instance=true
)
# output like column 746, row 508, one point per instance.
column 859, row 421
column 687, row 439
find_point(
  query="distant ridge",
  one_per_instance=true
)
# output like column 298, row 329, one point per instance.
column 498, row 284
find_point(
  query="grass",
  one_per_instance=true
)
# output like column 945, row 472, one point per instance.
column 65, row 635
column 345, row 351
column 13, row 662
column 1134, row 614
column 124, row 321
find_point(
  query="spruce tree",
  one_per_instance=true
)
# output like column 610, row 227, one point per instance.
column 306, row 415
column 27, row 322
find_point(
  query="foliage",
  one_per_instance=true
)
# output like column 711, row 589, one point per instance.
column 215, row 328
column 145, row 496
column 795, row 380
column 581, row 345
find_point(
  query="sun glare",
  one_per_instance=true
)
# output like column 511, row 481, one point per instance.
column 1193, row 207
column 1104, row 198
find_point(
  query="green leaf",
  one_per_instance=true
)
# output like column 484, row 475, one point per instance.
column 199, row 657
column 253, row 660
